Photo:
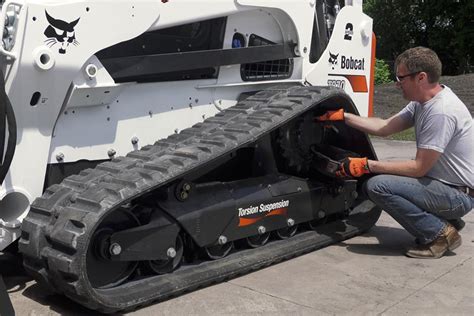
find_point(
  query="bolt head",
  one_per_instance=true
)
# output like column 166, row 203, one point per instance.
column 111, row 152
column 321, row 214
column 290, row 222
column 297, row 51
column 60, row 157
column 187, row 187
column 115, row 249
column 134, row 140
column 222, row 240
column 262, row 230
column 171, row 252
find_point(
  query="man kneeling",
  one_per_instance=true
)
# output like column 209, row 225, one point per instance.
column 428, row 195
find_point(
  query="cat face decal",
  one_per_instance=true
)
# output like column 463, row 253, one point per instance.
column 60, row 32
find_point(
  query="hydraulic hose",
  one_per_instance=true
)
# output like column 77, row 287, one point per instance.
column 7, row 120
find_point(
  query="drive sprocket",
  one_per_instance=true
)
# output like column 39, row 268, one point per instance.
column 295, row 141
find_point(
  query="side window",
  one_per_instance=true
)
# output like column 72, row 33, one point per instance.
column 198, row 36
column 324, row 18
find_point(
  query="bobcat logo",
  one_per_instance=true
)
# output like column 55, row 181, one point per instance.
column 60, row 32
column 333, row 60
column 349, row 32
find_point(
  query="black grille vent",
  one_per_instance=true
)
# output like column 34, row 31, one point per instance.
column 265, row 70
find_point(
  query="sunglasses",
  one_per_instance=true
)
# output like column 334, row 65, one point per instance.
column 400, row 78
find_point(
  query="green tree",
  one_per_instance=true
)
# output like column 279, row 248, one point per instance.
column 447, row 27
column 382, row 72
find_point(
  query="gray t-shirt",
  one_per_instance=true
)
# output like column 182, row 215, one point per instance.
column 444, row 124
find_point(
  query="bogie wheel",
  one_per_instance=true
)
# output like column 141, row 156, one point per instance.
column 168, row 265
column 257, row 240
column 101, row 270
column 219, row 251
column 286, row 232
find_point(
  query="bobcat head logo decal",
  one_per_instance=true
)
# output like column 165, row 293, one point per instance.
column 349, row 32
column 332, row 60
column 60, row 32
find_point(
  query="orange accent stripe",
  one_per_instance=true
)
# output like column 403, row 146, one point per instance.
column 358, row 82
column 372, row 77
column 250, row 221
column 278, row 211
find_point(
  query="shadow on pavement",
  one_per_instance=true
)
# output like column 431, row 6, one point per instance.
column 11, row 268
column 16, row 280
column 57, row 302
column 392, row 241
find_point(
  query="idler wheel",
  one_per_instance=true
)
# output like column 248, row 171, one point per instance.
column 175, row 256
column 101, row 270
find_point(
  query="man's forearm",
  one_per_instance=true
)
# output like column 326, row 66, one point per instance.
column 407, row 168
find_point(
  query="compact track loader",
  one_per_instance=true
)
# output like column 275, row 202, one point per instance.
column 152, row 147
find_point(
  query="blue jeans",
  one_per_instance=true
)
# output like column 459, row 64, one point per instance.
column 420, row 205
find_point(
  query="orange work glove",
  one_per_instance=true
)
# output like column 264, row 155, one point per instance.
column 337, row 115
column 353, row 167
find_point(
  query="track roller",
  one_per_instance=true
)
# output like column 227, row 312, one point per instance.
column 313, row 225
column 219, row 251
column 287, row 232
column 175, row 256
column 257, row 240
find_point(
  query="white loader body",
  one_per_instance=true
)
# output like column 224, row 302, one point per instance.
column 69, row 108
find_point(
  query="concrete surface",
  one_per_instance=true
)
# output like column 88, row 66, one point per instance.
column 366, row 275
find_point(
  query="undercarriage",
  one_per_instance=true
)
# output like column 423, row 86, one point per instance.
column 247, row 188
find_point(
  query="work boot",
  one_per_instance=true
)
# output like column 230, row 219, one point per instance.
column 457, row 223
column 449, row 239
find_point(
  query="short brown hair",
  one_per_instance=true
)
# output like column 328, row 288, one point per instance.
column 418, row 59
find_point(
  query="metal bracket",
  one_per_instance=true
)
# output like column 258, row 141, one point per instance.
column 141, row 243
column 3, row 16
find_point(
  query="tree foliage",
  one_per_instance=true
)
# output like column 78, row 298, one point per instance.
column 447, row 27
column 382, row 72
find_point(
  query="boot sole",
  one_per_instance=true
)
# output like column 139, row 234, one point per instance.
column 424, row 257
column 451, row 247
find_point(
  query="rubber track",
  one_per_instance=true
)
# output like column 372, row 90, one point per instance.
column 57, row 229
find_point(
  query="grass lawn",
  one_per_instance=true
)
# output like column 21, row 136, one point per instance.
column 408, row 134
